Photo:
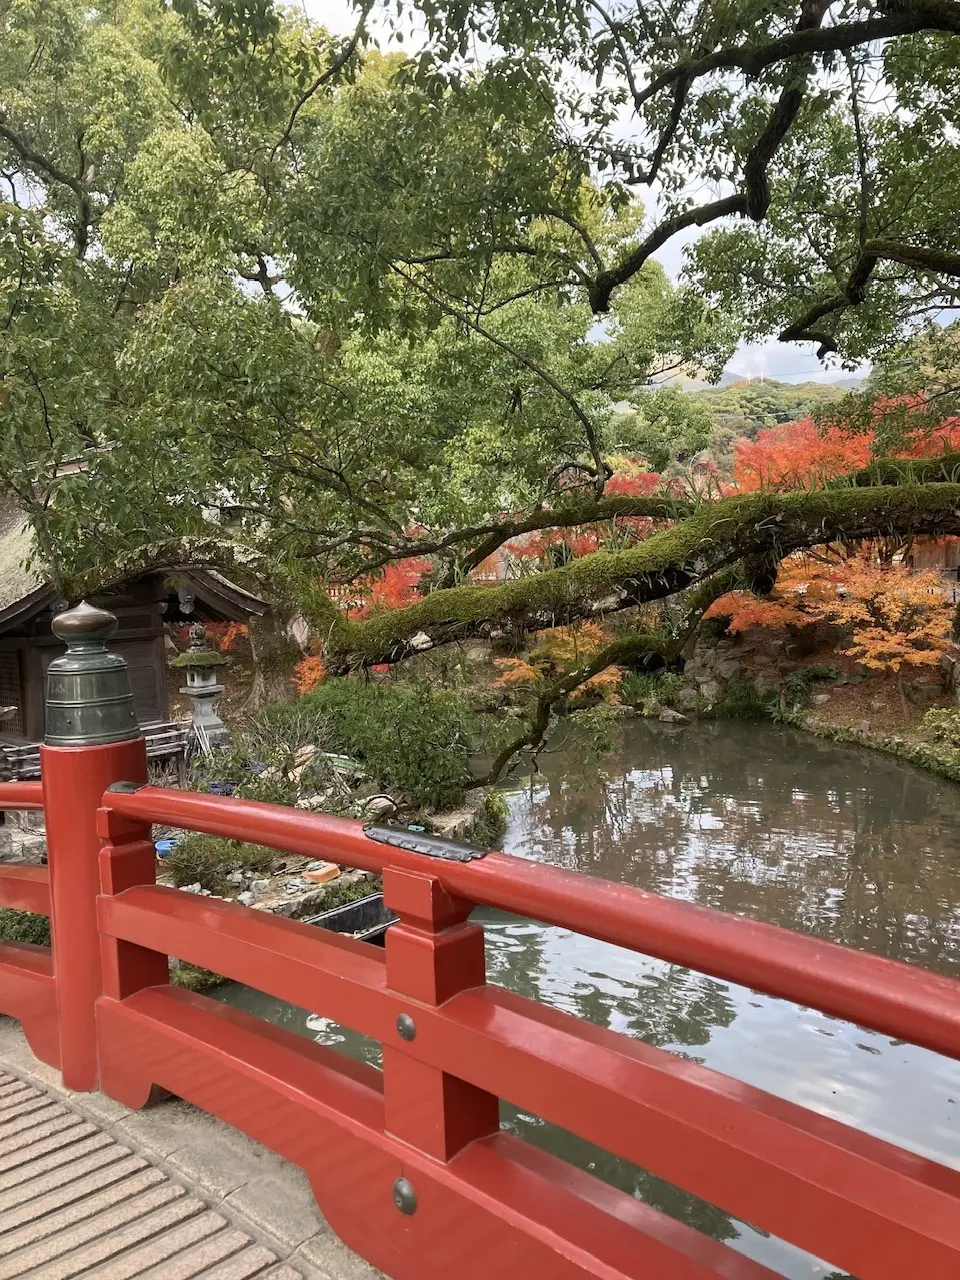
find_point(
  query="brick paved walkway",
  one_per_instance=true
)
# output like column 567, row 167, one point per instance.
column 89, row 1189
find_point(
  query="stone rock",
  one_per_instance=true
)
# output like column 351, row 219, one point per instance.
column 245, row 899
column 774, row 648
column 766, row 683
column 259, row 886
column 710, row 690
column 191, row 888
column 819, row 699
column 729, row 669
column 378, row 807
column 686, row 700
column 294, row 886
column 669, row 716
column 234, row 877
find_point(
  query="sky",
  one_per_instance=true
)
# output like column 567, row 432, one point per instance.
column 789, row 362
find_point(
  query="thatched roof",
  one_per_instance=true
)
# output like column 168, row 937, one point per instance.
column 17, row 545
column 24, row 591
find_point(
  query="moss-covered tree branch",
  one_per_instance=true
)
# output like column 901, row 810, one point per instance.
column 631, row 648
column 669, row 561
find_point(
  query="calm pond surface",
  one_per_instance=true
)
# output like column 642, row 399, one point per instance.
column 768, row 823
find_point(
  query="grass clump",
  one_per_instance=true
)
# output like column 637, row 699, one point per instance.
column 646, row 689
column 491, row 822
column 743, row 702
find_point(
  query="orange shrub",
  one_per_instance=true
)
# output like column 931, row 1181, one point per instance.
column 309, row 673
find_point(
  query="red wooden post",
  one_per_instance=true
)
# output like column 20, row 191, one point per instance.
column 432, row 954
column 92, row 740
column 127, row 859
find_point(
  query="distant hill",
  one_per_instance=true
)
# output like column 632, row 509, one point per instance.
column 743, row 407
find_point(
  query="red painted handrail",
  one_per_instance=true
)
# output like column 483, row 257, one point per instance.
column 25, row 889
column 21, row 795
column 896, row 999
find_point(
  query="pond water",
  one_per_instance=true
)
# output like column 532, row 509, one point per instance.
column 768, row 823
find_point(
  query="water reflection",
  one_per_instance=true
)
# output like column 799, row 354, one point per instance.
column 767, row 823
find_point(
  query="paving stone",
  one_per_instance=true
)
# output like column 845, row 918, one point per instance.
column 53, row 1239
column 60, row 1119
column 197, row 1260
column 91, row 1190
column 152, row 1252
column 99, row 1108
column 9, row 1086
column 57, row 1179
column 166, row 1127
column 62, row 1154
column 100, row 1258
column 253, row 1261
column 22, row 1104
column 43, row 1114
column 72, row 1131
column 36, row 1208
column 61, row 1219
column 284, row 1207
column 330, row 1259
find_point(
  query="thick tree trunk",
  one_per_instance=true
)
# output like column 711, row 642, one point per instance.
column 275, row 654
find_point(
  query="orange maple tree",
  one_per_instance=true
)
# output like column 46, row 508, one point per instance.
column 558, row 652
column 897, row 619
column 309, row 673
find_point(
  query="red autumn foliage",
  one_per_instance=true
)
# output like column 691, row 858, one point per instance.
column 395, row 586
column 309, row 673
column 801, row 455
column 225, row 637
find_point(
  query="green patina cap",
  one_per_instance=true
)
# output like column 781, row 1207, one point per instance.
column 89, row 701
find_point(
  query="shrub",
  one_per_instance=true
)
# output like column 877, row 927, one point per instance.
column 798, row 683
column 491, row 821
column 942, row 724
column 742, row 702
column 410, row 738
column 644, row 688
column 207, row 860
column 24, row 926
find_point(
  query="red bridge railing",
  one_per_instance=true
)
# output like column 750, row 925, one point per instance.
column 409, row 1164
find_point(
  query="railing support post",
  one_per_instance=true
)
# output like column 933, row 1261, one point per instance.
column 92, row 740
column 432, row 954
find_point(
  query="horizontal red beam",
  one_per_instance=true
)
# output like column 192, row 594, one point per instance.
column 21, row 795
column 25, row 889
column 861, row 1203
column 500, row 1207
column 900, row 1000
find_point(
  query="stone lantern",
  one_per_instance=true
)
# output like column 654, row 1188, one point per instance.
column 202, row 665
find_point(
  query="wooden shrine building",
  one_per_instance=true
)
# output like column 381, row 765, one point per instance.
column 144, row 607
